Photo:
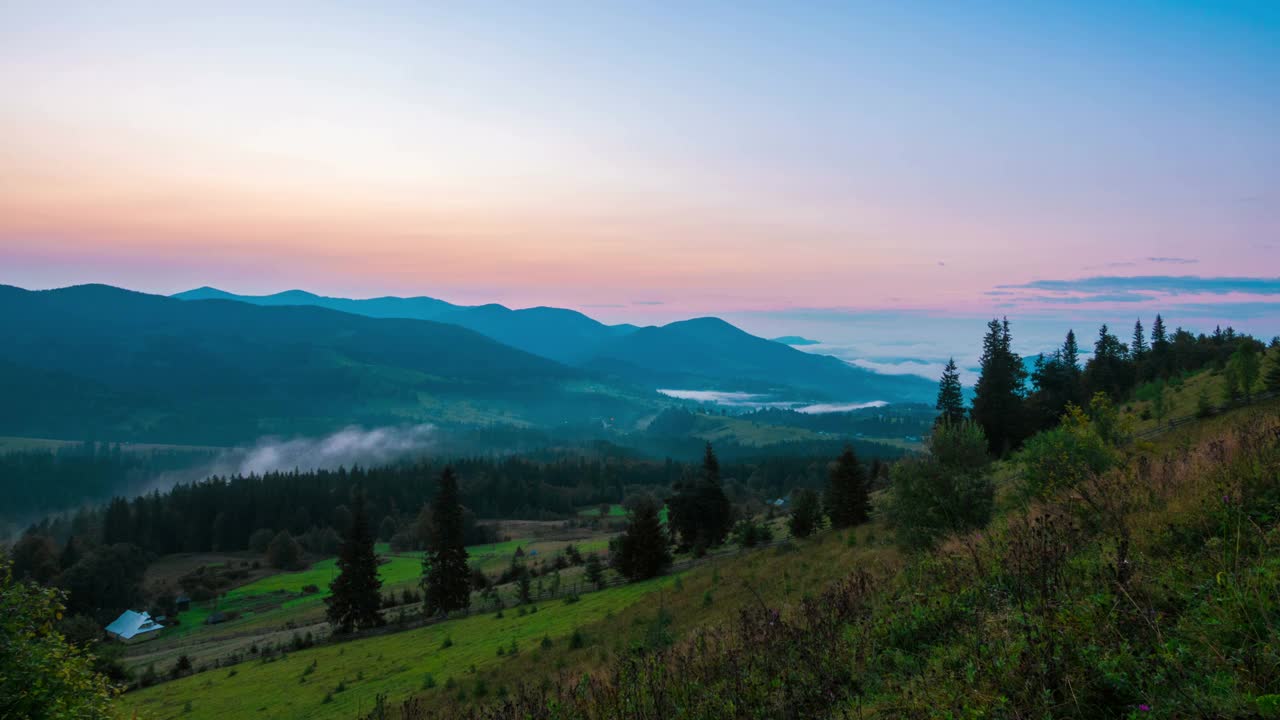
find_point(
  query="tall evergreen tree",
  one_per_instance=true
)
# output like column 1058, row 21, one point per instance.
column 1071, row 352
column 356, row 592
column 1138, row 346
column 846, row 496
column 700, row 511
column 1157, row 365
column 950, row 403
column 446, row 583
column 997, row 401
column 643, row 551
column 1109, row 370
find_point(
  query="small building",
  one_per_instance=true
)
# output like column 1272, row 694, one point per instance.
column 133, row 627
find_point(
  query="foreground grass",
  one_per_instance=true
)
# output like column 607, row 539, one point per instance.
column 395, row 664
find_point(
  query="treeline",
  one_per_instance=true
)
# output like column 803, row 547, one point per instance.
column 37, row 482
column 1011, row 403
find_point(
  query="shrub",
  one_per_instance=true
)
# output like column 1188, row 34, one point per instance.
column 947, row 492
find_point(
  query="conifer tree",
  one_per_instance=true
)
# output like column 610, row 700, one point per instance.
column 700, row 511
column 1138, row 345
column 355, row 594
column 950, row 403
column 1109, row 371
column 997, row 402
column 1158, row 358
column 846, row 496
column 643, row 550
column 1071, row 352
column 446, row 583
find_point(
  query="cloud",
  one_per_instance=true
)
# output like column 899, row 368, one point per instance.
column 1169, row 284
column 1173, row 260
column 347, row 447
column 647, row 302
column 1092, row 298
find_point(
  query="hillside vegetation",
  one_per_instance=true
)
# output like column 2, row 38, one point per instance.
column 1151, row 589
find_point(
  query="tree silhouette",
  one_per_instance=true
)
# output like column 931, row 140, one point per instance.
column 356, row 595
column 446, row 583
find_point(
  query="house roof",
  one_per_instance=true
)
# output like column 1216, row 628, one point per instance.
column 130, row 624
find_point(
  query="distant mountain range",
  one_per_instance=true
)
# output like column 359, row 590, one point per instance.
column 98, row 362
column 702, row 353
column 566, row 336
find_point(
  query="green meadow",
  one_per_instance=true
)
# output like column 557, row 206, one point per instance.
column 340, row 680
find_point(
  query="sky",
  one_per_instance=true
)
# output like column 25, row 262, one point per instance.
column 790, row 166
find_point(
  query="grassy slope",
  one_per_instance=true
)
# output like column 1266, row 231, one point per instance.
column 272, row 607
column 1043, row 614
column 394, row 664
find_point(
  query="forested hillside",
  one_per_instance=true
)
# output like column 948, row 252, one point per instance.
column 95, row 362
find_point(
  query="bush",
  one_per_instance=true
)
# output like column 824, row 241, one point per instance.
column 1065, row 456
column 947, row 492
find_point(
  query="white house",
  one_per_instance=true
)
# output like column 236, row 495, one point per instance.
column 133, row 626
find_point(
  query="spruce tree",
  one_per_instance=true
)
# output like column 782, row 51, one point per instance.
column 355, row 594
column 1138, row 346
column 446, row 579
column 846, row 496
column 997, row 401
column 1158, row 358
column 700, row 511
column 950, row 405
column 642, row 551
column 1071, row 352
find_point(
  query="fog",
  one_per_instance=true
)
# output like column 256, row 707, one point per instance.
column 349, row 446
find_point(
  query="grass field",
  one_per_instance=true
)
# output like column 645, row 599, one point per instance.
column 395, row 664
column 270, row 609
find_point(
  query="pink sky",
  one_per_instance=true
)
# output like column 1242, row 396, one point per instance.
column 712, row 164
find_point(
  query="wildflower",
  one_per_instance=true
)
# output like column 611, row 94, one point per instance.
column 1144, row 708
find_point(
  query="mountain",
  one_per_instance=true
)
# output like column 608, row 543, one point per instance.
column 94, row 361
column 703, row 353
column 566, row 336
column 795, row 340
column 709, row 353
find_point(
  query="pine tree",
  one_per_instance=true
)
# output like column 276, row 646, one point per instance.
column 846, row 496
column 1158, row 358
column 1071, row 352
column 950, row 403
column 642, row 551
column 356, row 592
column 1109, row 371
column 446, row 584
column 997, row 401
column 1138, row 346
column 700, row 511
